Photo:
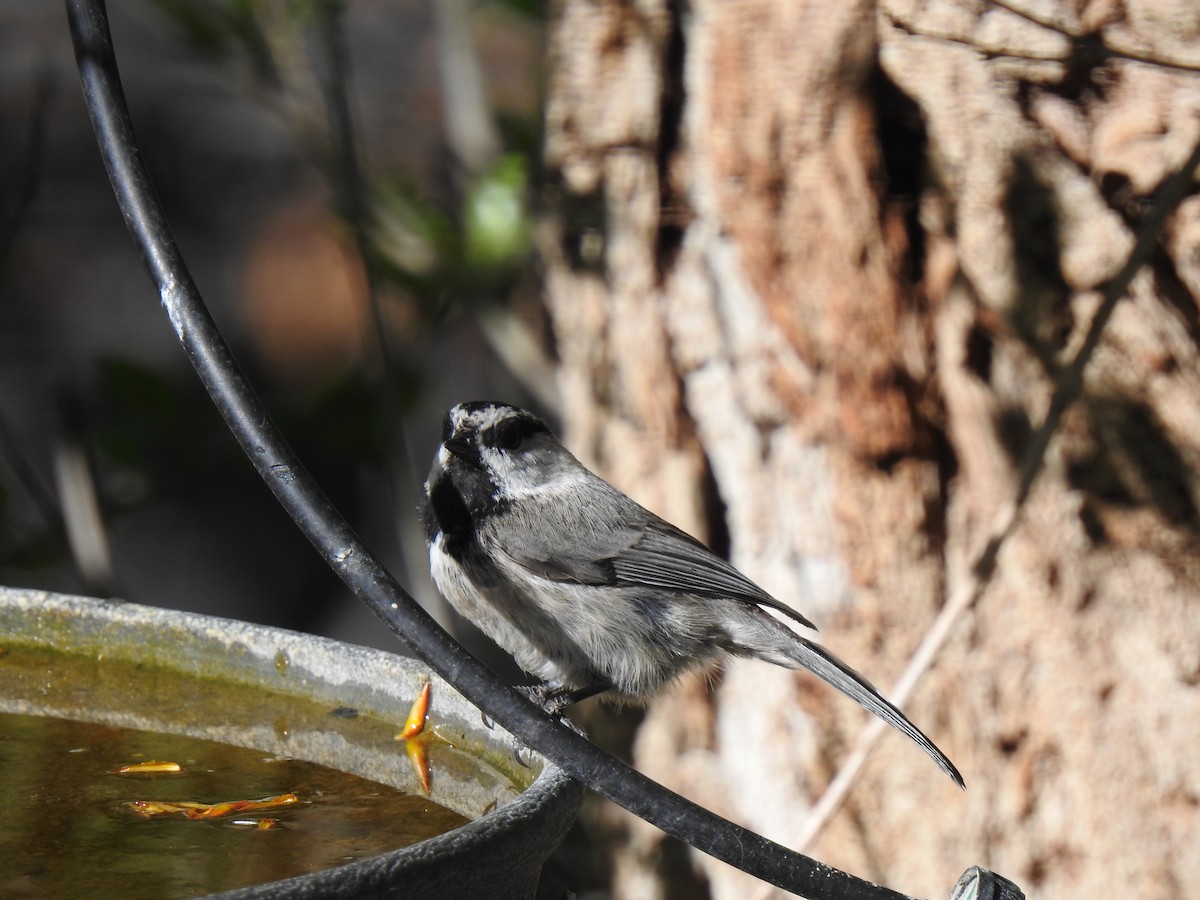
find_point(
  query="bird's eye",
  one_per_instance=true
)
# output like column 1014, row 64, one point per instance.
column 509, row 434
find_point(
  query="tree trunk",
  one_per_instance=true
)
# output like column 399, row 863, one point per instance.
column 815, row 272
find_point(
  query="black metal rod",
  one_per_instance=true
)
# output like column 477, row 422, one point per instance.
column 341, row 548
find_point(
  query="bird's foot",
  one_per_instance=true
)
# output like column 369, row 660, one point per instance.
column 556, row 699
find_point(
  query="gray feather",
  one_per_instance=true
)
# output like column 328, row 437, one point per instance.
column 638, row 549
column 833, row 671
column 665, row 557
column 764, row 638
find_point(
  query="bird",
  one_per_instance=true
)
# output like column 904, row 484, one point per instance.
column 589, row 591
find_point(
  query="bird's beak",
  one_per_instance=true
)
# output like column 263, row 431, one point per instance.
column 458, row 446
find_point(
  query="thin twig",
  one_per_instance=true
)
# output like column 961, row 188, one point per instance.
column 1085, row 47
column 346, row 175
column 16, row 456
column 1104, row 44
column 381, row 368
column 23, row 189
column 1030, row 16
column 979, row 576
column 971, row 44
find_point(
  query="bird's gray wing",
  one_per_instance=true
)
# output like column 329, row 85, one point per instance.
column 640, row 550
column 564, row 539
column 668, row 558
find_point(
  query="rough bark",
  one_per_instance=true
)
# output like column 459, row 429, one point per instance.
column 832, row 259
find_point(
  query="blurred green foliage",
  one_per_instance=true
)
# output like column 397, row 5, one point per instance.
column 436, row 248
column 473, row 243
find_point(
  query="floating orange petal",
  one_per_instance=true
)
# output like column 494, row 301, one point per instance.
column 194, row 810
column 415, row 723
column 151, row 767
column 150, row 808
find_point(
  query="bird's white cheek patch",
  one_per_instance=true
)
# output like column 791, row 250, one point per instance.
column 446, row 572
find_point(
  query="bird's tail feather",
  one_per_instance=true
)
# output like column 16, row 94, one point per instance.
column 795, row 652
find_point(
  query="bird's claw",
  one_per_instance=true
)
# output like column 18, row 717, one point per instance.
column 553, row 698
column 556, row 699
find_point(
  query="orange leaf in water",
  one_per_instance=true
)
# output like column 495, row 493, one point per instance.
column 415, row 723
column 150, row 808
column 193, row 810
column 151, row 767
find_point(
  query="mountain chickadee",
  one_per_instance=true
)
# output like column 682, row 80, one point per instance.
column 588, row 590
